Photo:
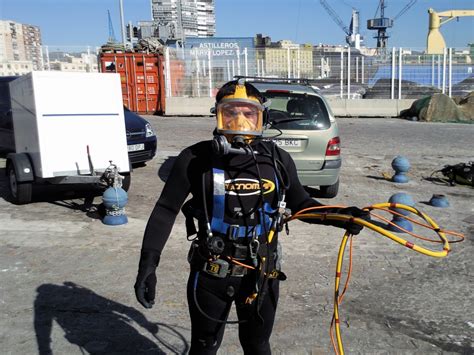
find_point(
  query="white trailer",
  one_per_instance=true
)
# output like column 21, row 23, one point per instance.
column 68, row 128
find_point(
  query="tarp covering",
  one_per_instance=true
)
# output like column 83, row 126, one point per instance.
column 422, row 74
column 442, row 108
column 409, row 90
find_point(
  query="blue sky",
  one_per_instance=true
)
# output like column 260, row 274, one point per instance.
column 84, row 22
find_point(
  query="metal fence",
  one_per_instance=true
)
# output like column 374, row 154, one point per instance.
column 57, row 58
column 397, row 73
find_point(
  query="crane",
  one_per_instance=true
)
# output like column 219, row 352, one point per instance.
column 435, row 41
column 111, row 30
column 352, row 33
column 381, row 23
column 405, row 9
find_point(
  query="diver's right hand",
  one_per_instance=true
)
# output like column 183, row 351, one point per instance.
column 145, row 285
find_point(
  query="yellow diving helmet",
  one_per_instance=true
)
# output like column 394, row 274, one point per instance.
column 240, row 113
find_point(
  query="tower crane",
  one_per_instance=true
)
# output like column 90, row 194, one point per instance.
column 435, row 41
column 353, row 37
column 381, row 23
column 111, row 30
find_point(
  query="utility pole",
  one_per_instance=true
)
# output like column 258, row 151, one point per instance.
column 122, row 26
column 180, row 21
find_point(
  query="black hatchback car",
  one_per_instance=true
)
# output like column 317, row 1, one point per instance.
column 141, row 139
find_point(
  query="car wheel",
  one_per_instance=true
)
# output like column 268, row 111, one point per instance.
column 21, row 192
column 329, row 191
column 127, row 180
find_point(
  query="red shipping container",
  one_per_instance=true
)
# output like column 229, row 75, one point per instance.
column 143, row 87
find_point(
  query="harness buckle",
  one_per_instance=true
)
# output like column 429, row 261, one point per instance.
column 233, row 232
column 239, row 252
column 238, row 271
column 218, row 268
column 192, row 251
column 253, row 249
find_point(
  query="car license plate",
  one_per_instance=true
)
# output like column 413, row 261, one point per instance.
column 136, row 147
column 288, row 142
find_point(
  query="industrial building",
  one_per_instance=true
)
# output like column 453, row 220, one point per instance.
column 75, row 62
column 274, row 58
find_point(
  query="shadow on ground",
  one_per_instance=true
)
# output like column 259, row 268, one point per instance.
column 98, row 325
column 376, row 177
column 73, row 196
column 165, row 168
column 429, row 332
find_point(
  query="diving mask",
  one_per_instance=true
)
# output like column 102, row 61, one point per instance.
column 240, row 116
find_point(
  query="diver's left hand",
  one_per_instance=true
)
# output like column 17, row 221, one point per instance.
column 351, row 227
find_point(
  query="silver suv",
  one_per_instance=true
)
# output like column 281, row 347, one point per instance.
column 301, row 122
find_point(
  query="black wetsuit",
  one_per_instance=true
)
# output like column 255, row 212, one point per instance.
column 242, row 199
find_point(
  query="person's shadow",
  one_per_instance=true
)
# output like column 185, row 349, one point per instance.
column 99, row 325
column 165, row 168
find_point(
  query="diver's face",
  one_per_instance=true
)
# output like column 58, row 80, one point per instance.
column 240, row 117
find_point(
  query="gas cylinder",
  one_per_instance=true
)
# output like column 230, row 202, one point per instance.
column 115, row 199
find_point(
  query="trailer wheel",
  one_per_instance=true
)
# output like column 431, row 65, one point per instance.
column 127, row 180
column 21, row 192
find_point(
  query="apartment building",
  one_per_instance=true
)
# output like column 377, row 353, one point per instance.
column 20, row 47
column 79, row 62
column 206, row 19
column 186, row 18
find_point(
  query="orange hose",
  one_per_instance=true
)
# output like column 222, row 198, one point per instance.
column 338, row 298
column 461, row 236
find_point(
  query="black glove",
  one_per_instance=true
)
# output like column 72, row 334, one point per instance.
column 146, row 278
column 351, row 227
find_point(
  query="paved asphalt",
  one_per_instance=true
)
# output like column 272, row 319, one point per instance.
column 66, row 280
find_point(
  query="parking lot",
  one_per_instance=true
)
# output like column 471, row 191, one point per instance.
column 67, row 279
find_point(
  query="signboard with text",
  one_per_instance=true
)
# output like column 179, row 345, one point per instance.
column 220, row 48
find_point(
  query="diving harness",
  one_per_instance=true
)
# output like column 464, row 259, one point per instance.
column 225, row 250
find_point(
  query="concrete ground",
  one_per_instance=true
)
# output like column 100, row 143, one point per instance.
column 66, row 279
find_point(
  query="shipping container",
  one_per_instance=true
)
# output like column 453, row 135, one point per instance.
column 141, row 74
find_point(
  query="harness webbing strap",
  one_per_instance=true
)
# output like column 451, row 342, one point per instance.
column 217, row 223
column 219, row 194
